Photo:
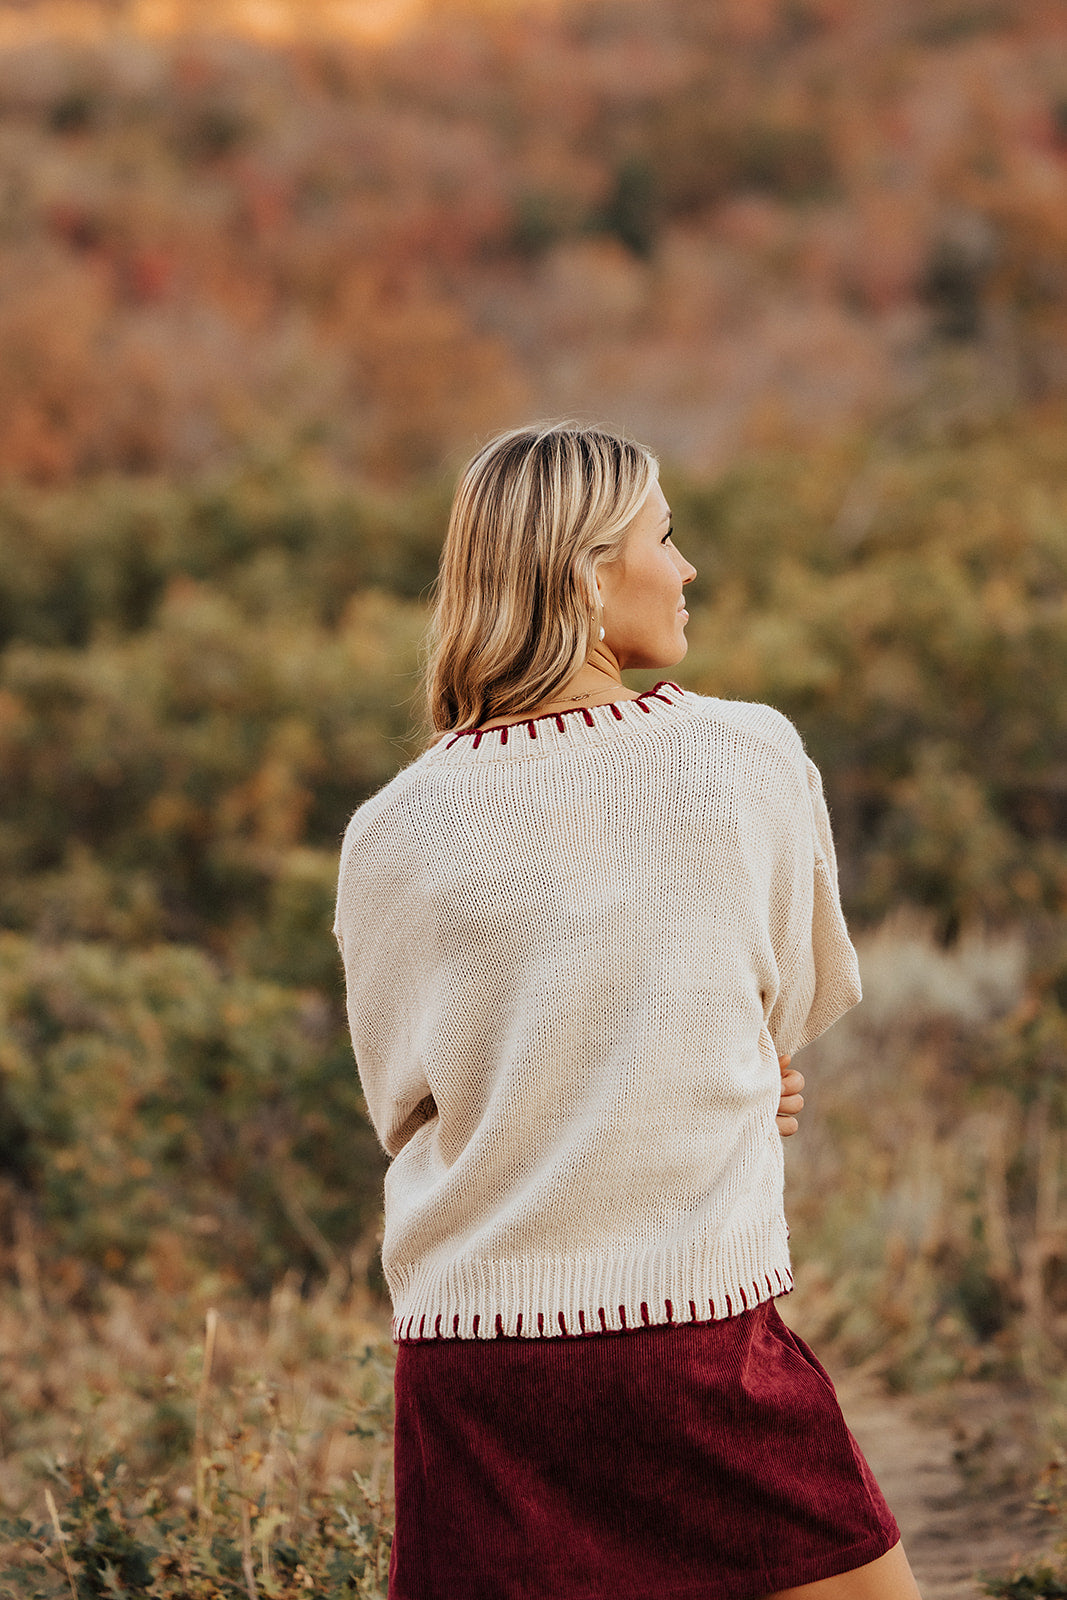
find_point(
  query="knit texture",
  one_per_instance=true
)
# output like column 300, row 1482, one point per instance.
column 574, row 949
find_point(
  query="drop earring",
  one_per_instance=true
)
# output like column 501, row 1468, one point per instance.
column 602, row 633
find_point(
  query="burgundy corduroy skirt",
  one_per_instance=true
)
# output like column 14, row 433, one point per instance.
column 707, row 1461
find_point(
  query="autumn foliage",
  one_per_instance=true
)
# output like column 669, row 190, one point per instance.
column 712, row 223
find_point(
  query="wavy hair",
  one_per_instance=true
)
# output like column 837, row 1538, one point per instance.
column 536, row 513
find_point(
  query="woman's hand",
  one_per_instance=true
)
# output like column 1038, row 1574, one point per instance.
column 792, row 1100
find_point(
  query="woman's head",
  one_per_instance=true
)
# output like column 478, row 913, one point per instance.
column 537, row 514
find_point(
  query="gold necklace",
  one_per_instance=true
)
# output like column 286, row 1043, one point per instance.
column 573, row 699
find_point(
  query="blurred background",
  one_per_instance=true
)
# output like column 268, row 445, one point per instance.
column 270, row 270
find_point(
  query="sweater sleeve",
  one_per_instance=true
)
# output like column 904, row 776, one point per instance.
column 817, row 965
column 379, row 932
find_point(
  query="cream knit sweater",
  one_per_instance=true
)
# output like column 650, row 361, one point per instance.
column 574, row 949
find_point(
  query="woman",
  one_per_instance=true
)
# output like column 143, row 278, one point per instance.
column 578, row 933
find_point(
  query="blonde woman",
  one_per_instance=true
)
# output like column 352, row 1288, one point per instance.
column 579, row 932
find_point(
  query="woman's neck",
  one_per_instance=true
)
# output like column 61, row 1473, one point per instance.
column 596, row 683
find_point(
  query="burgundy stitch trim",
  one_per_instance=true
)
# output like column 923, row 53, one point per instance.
column 603, row 1319
column 422, row 1325
column 530, row 729
column 581, row 1320
column 558, row 716
column 588, row 715
column 645, row 1318
column 729, row 1308
column 562, row 1323
column 744, row 1301
column 692, row 1310
column 644, row 708
column 711, row 1307
column 499, row 1326
column 437, row 1326
column 670, row 1310
column 770, row 1285
column 622, row 1315
column 518, row 1325
column 541, row 1324
column 505, row 730
column 477, row 1320
column 455, row 1326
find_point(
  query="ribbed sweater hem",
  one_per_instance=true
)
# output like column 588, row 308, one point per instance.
column 572, row 1296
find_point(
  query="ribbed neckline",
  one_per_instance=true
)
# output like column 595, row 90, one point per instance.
column 560, row 729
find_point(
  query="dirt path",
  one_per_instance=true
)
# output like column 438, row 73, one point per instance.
column 954, row 1524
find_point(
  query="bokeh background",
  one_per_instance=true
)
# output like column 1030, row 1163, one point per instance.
column 269, row 271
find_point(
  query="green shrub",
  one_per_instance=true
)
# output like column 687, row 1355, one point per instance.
column 243, row 1512
column 276, row 538
column 123, row 1544
column 1044, row 1577
column 173, row 1121
column 181, row 765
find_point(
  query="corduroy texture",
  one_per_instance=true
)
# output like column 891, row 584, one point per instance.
column 573, row 951
column 708, row 1462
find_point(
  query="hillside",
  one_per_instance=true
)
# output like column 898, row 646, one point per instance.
column 721, row 226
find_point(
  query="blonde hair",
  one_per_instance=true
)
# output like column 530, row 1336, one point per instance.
column 536, row 513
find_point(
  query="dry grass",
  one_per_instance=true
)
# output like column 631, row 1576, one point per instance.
column 921, row 1184
column 132, row 1379
column 255, row 1440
